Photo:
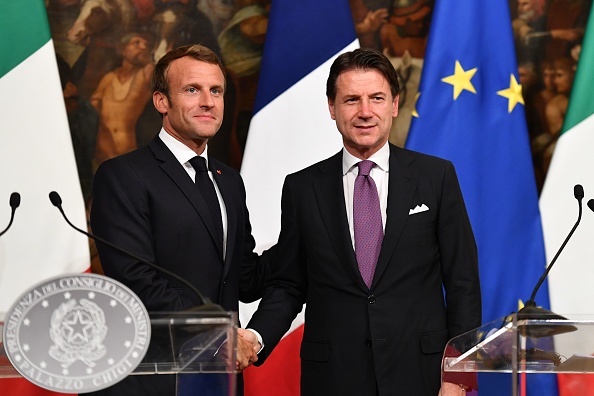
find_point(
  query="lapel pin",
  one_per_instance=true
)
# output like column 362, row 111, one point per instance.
column 219, row 171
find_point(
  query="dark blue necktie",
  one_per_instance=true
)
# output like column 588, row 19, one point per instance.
column 206, row 187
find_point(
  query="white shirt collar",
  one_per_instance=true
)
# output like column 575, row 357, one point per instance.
column 381, row 159
column 181, row 152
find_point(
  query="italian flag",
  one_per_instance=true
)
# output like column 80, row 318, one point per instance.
column 36, row 157
column 570, row 281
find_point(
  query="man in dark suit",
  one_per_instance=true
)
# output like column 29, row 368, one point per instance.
column 147, row 201
column 379, row 310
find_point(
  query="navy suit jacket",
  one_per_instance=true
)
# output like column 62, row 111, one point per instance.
column 145, row 202
column 388, row 339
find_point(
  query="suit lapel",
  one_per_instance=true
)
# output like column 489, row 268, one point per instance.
column 401, row 189
column 175, row 171
column 329, row 192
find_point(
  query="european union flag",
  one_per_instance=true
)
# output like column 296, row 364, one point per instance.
column 470, row 111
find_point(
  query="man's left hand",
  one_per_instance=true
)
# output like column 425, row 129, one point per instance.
column 449, row 389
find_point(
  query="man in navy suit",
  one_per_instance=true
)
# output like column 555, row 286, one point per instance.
column 382, row 329
column 147, row 201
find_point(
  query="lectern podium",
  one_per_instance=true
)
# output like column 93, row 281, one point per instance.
column 517, row 346
column 201, row 343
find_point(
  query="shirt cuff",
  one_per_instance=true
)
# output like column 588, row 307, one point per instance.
column 259, row 339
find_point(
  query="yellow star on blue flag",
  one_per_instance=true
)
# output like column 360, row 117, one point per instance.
column 513, row 93
column 460, row 79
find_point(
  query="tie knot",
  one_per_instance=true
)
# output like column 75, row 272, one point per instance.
column 199, row 164
column 365, row 167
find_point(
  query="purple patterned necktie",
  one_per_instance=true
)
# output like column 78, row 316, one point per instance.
column 367, row 219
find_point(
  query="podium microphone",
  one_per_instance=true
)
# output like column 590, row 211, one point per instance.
column 530, row 310
column 207, row 305
column 15, row 202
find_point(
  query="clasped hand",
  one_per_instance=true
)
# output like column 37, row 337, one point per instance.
column 247, row 349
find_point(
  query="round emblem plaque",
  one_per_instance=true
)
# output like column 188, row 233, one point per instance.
column 76, row 333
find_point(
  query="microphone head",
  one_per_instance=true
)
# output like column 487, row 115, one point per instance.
column 578, row 192
column 591, row 204
column 15, row 200
column 55, row 198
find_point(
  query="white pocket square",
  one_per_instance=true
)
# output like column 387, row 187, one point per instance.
column 418, row 209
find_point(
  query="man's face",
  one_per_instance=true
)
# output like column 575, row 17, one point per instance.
column 137, row 52
column 195, row 112
column 363, row 111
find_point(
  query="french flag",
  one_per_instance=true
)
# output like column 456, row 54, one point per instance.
column 291, row 129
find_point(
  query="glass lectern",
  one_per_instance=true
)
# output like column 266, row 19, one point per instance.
column 517, row 346
column 201, row 343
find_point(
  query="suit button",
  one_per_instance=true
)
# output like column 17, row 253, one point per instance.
column 368, row 342
column 371, row 299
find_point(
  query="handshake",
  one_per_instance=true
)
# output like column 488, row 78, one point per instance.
column 248, row 347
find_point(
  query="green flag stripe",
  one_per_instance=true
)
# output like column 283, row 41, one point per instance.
column 23, row 30
column 580, row 104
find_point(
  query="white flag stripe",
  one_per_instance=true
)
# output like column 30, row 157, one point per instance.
column 36, row 157
column 290, row 133
column 570, row 280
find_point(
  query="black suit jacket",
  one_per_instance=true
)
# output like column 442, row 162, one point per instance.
column 145, row 202
column 388, row 339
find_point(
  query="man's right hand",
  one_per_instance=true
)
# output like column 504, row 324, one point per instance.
column 247, row 349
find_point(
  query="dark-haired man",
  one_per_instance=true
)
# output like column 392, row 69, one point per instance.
column 377, row 243
column 148, row 202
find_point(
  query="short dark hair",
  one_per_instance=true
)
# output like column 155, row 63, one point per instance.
column 194, row 51
column 362, row 59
